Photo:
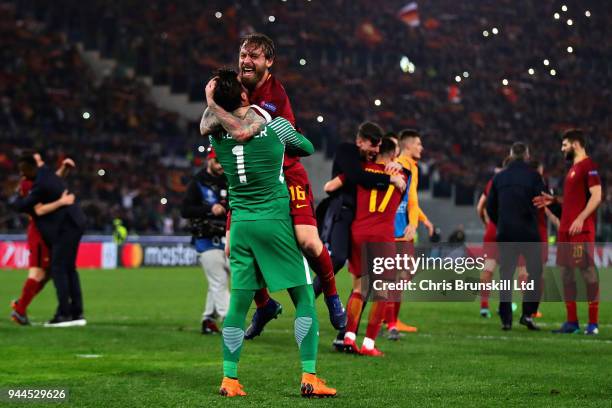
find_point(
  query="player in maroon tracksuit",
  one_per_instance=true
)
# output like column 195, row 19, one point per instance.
column 255, row 59
column 576, row 237
column 374, row 222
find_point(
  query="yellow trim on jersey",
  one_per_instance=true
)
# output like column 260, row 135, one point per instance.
column 415, row 214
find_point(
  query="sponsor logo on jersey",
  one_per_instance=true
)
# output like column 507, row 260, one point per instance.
column 593, row 173
column 268, row 106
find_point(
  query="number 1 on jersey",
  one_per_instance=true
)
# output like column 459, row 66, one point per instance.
column 238, row 151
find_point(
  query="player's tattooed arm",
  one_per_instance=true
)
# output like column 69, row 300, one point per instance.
column 209, row 123
column 241, row 129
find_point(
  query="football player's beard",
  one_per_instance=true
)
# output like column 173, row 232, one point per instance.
column 569, row 156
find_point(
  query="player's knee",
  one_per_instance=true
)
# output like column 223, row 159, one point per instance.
column 38, row 274
column 311, row 246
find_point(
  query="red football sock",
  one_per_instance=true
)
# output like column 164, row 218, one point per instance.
column 353, row 312
column 323, row 267
column 390, row 316
column 30, row 288
column 262, row 297
column 485, row 277
column 569, row 291
column 377, row 312
column 41, row 286
column 572, row 314
column 593, row 298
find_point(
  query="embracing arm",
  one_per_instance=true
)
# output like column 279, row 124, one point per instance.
column 209, row 123
column 239, row 129
column 66, row 199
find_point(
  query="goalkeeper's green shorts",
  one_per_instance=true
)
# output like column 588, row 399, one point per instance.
column 265, row 254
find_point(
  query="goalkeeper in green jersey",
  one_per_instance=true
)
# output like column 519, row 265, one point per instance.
column 263, row 249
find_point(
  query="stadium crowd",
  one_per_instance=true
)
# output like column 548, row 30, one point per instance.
column 334, row 66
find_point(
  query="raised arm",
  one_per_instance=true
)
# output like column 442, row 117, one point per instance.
column 65, row 167
column 296, row 143
column 240, row 129
column 209, row 123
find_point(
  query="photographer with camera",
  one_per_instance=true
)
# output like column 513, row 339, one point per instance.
column 205, row 206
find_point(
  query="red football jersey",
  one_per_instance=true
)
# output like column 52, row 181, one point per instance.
column 375, row 214
column 491, row 229
column 25, row 186
column 272, row 97
column 582, row 176
column 33, row 234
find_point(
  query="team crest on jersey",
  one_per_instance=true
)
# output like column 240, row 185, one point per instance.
column 268, row 106
column 593, row 173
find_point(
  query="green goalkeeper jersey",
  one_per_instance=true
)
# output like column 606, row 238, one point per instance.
column 254, row 170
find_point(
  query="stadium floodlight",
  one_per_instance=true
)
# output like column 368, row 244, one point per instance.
column 570, row 49
column 556, row 16
column 587, row 13
column 485, row 33
column 495, row 30
column 201, row 149
column 458, row 78
column 570, row 22
column 164, row 201
column 271, row 19
column 86, row 115
column 218, row 14
column 546, row 62
column 101, row 172
column 377, row 102
column 406, row 65
column 553, row 72
column 466, row 74
column 531, row 71
column 320, row 119
column 564, row 7
column 504, row 82
column 302, row 61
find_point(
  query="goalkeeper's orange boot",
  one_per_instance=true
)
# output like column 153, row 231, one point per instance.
column 312, row 386
column 406, row 328
column 230, row 387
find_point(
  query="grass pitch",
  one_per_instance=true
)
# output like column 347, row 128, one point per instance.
column 142, row 348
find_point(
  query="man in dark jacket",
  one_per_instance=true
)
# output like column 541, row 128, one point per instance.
column 341, row 211
column 61, row 230
column 205, row 206
column 336, row 229
column 511, row 208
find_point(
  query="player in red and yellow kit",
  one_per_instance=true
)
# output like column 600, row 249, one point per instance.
column 374, row 222
column 576, row 236
column 411, row 148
